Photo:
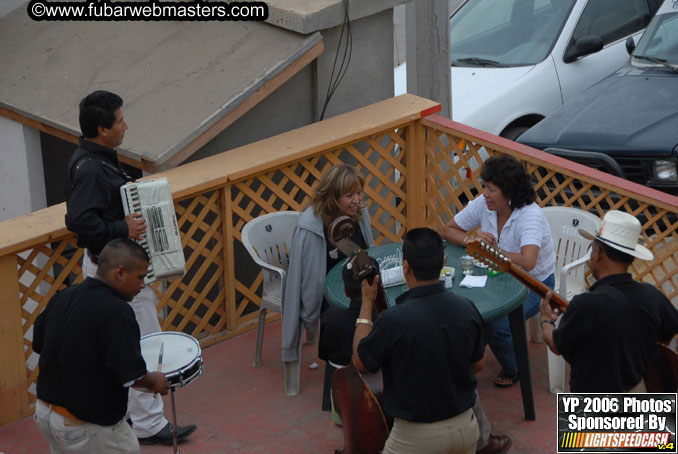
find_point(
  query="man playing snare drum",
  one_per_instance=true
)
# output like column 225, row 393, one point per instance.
column 88, row 341
column 94, row 212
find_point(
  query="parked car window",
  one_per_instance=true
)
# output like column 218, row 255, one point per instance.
column 612, row 19
column 508, row 33
column 660, row 40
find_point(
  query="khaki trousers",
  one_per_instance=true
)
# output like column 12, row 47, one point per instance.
column 639, row 388
column 72, row 436
column 458, row 434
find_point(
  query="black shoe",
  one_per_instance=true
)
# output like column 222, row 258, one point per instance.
column 165, row 435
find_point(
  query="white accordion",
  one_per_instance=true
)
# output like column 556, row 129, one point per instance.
column 153, row 199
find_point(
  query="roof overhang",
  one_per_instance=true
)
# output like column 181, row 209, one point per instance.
column 182, row 82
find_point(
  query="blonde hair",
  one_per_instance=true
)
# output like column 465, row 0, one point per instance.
column 337, row 181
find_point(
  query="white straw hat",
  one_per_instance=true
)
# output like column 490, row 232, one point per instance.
column 621, row 231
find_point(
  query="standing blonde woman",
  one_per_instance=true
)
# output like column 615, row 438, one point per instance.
column 338, row 193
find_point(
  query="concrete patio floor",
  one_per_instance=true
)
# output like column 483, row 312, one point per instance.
column 240, row 409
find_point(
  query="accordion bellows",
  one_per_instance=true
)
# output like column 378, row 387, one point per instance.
column 153, row 199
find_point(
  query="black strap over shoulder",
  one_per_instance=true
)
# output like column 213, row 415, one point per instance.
column 82, row 160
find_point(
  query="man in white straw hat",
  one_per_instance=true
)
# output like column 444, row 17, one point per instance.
column 609, row 333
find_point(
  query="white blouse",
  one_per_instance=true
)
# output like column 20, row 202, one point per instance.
column 525, row 226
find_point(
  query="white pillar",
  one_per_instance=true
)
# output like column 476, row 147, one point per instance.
column 22, row 190
column 22, row 181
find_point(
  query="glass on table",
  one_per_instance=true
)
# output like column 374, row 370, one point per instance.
column 466, row 264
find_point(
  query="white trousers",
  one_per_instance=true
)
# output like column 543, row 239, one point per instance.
column 484, row 426
column 145, row 410
column 72, row 436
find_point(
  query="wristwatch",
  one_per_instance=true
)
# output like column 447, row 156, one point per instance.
column 550, row 322
column 363, row 321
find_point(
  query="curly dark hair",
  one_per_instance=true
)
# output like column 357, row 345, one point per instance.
column 510, row 176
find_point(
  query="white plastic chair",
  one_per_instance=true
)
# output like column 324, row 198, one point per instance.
column 572, row 252
column 268, row 239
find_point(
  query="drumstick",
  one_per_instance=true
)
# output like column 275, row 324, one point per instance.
column 162, row 349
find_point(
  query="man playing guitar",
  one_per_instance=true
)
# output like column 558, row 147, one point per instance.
column 608, row 334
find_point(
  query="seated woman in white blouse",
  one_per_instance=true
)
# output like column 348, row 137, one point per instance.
column 509, row 220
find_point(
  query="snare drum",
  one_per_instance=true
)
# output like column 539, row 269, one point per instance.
column 182, row 357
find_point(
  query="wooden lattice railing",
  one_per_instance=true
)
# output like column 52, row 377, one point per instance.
column 416, row 174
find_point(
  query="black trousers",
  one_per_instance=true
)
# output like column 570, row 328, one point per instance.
column 327, row 386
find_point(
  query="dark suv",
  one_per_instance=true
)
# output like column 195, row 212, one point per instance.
column 626, row 124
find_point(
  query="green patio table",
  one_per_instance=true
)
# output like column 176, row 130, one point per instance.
column 501, row 295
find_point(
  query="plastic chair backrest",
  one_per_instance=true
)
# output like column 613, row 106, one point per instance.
column 268, row 239
column 569, row 245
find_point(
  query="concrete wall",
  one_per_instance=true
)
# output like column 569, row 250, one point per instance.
column 299, row 101
column 369, row 77
column 289, row 107
column 55, row 156
column 22, row 185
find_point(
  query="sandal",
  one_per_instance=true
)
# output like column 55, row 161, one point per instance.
column 505, row 381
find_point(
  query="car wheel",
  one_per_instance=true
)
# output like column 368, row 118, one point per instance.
column 513, row 132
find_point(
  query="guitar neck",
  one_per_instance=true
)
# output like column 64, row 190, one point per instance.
column 500, row 262
column 380, row 304
column 352, row 250
column 557, row 302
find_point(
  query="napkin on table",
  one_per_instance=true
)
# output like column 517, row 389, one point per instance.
column 473, row 281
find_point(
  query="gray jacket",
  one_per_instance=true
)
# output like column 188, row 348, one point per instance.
column 305, row 282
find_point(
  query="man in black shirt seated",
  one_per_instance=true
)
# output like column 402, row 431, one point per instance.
column 88, row 341
column 337, row 325
column 429, row 347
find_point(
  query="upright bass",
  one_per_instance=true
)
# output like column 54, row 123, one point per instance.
column 356, row 396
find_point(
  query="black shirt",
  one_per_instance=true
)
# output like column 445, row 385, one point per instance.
column 93, row 202
column 88, row 341
column 425, row 346
column 607, row 335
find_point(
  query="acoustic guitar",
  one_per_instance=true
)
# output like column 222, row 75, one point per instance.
column 362, row 265
column 496, row 260
column 661, row 373
column 356, row 396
